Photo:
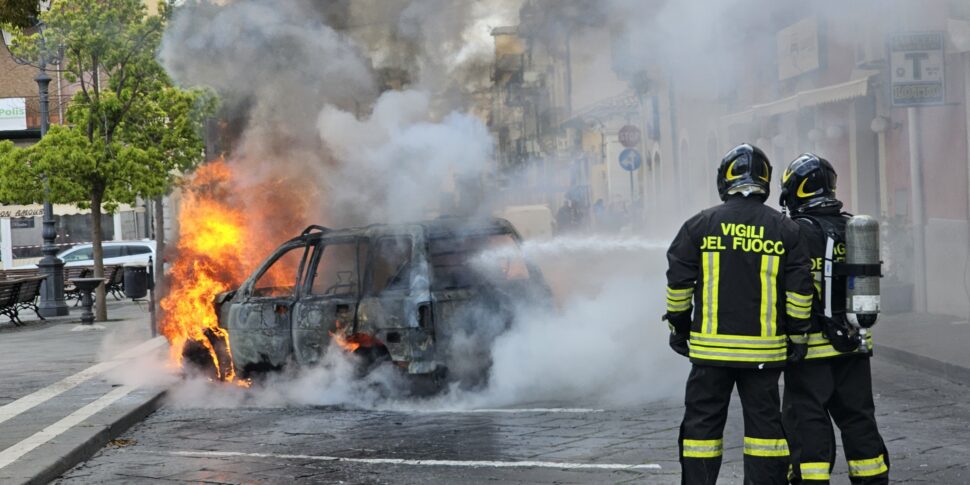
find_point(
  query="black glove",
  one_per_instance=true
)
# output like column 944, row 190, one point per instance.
column 678, row 342
column 797, row 348
column 679, row 322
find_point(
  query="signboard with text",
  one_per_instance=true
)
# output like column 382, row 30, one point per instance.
column 916, row 68
column 13, row 114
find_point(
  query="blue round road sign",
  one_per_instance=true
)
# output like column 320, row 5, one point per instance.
column 630, row 159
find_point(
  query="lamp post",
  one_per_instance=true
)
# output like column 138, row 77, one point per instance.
column 52, row 302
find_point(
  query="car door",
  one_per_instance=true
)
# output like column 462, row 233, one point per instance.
column 396, row 304
column 328, row 303
column 260, row 313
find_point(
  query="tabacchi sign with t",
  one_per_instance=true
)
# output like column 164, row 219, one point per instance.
column 13, row 114
column 916, row 68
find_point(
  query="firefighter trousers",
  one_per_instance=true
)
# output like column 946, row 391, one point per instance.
column 818, row 391
column 701, row 441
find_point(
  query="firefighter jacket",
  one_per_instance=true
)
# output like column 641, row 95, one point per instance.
column 745, row 268
column 817, row 226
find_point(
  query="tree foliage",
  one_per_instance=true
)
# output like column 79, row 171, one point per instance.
column 19, row 13
column 129, row 132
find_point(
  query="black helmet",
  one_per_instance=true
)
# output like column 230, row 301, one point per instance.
column 744, row 165
column 808, row 182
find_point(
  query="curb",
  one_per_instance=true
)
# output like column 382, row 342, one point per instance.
column 94, row 439
column 929, row 365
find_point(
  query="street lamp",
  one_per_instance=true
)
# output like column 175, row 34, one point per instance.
column 52, row 302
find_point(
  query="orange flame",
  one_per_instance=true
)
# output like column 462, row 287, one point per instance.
column 208, row 263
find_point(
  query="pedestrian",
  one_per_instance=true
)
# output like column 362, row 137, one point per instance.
column 741, row 271
column 834, row 381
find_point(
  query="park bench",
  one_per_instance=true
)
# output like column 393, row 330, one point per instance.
column 114, row 276
column 18, row 294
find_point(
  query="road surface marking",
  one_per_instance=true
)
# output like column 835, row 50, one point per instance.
column 518, row 410
column 27, row 402
column 401, row 461
column 18, row 450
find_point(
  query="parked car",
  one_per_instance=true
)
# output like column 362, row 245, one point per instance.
column 115, row 252
column 412, row 294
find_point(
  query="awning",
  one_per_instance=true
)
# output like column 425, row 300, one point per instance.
column 37, row 210
column 814, row 97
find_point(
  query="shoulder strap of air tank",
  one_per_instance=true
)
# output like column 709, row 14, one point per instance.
column 828, row 264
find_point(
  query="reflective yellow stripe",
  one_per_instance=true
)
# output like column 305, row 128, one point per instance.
column 814, row 471
column 765, row 447
column 737, row 341
column 795, row 297
column 736, row 355
column 798, row 304
column 679, row 292
column 820, row 348
column 769, row 294
column 798, row 339
column 711, row 266
column 868, row 467
column 703, row 448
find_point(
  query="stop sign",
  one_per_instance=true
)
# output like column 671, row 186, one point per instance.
column 629, row 136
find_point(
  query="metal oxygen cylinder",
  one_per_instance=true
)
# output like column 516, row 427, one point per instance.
column 863, row 270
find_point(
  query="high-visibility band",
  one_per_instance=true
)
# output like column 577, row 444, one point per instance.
column 736, row 355
column 711, row 272
column 793, row 297
column 679, row 292
column 765, row 447
column 868, row 468
column 769, row 294
column 798, row 339
column 814, row 471
column 820, row 348
column 703, row 448
column 798, row 312
column 738, row 341
column 678, row 306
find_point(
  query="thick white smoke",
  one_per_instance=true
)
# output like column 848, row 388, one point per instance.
column 306, row 93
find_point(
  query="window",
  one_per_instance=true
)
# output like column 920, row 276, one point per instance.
column 391, row 264
column 83, row 254
column 112, row 252
column 336, row 271
column 459, row 262
column 133, row 250
column 279, row 279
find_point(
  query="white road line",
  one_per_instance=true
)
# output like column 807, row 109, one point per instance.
column 401, row 461
column 27, row 402
column 20, row 449
column 517, row 410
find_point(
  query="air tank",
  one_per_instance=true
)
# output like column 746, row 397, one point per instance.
column 863, row 269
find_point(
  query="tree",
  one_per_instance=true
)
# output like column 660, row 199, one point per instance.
column 129, row 131
column 19, row 13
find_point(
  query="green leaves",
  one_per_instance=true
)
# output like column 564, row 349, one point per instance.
column 130, row 132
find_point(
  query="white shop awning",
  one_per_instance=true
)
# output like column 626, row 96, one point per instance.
column 813, row 97
column 37, row 210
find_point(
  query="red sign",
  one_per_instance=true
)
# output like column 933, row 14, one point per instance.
column 630, row 136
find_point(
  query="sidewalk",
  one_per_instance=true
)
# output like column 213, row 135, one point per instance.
column 935, row 344
column 58, row 401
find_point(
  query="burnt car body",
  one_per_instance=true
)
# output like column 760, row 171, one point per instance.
column 398, row 292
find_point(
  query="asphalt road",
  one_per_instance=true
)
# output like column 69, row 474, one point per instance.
column 923, row 419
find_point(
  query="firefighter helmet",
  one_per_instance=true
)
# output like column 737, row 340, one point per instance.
column 808, row 182
column 744, row 167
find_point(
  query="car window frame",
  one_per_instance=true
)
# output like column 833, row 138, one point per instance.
column 318, row 250
column 249, row 285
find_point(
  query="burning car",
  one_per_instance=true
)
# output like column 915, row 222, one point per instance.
column 414, row 294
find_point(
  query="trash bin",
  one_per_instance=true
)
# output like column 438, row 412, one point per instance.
column 136, row 281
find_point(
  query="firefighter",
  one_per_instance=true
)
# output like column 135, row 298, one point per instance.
column 834, row 381
column 738, row 300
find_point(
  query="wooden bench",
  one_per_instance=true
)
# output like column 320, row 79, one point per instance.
column 114, row 276
column 71, row 272
column 18, row 294
column 9, row 291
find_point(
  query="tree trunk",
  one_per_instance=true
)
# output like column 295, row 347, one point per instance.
column 159, row 253
column 101, row 309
